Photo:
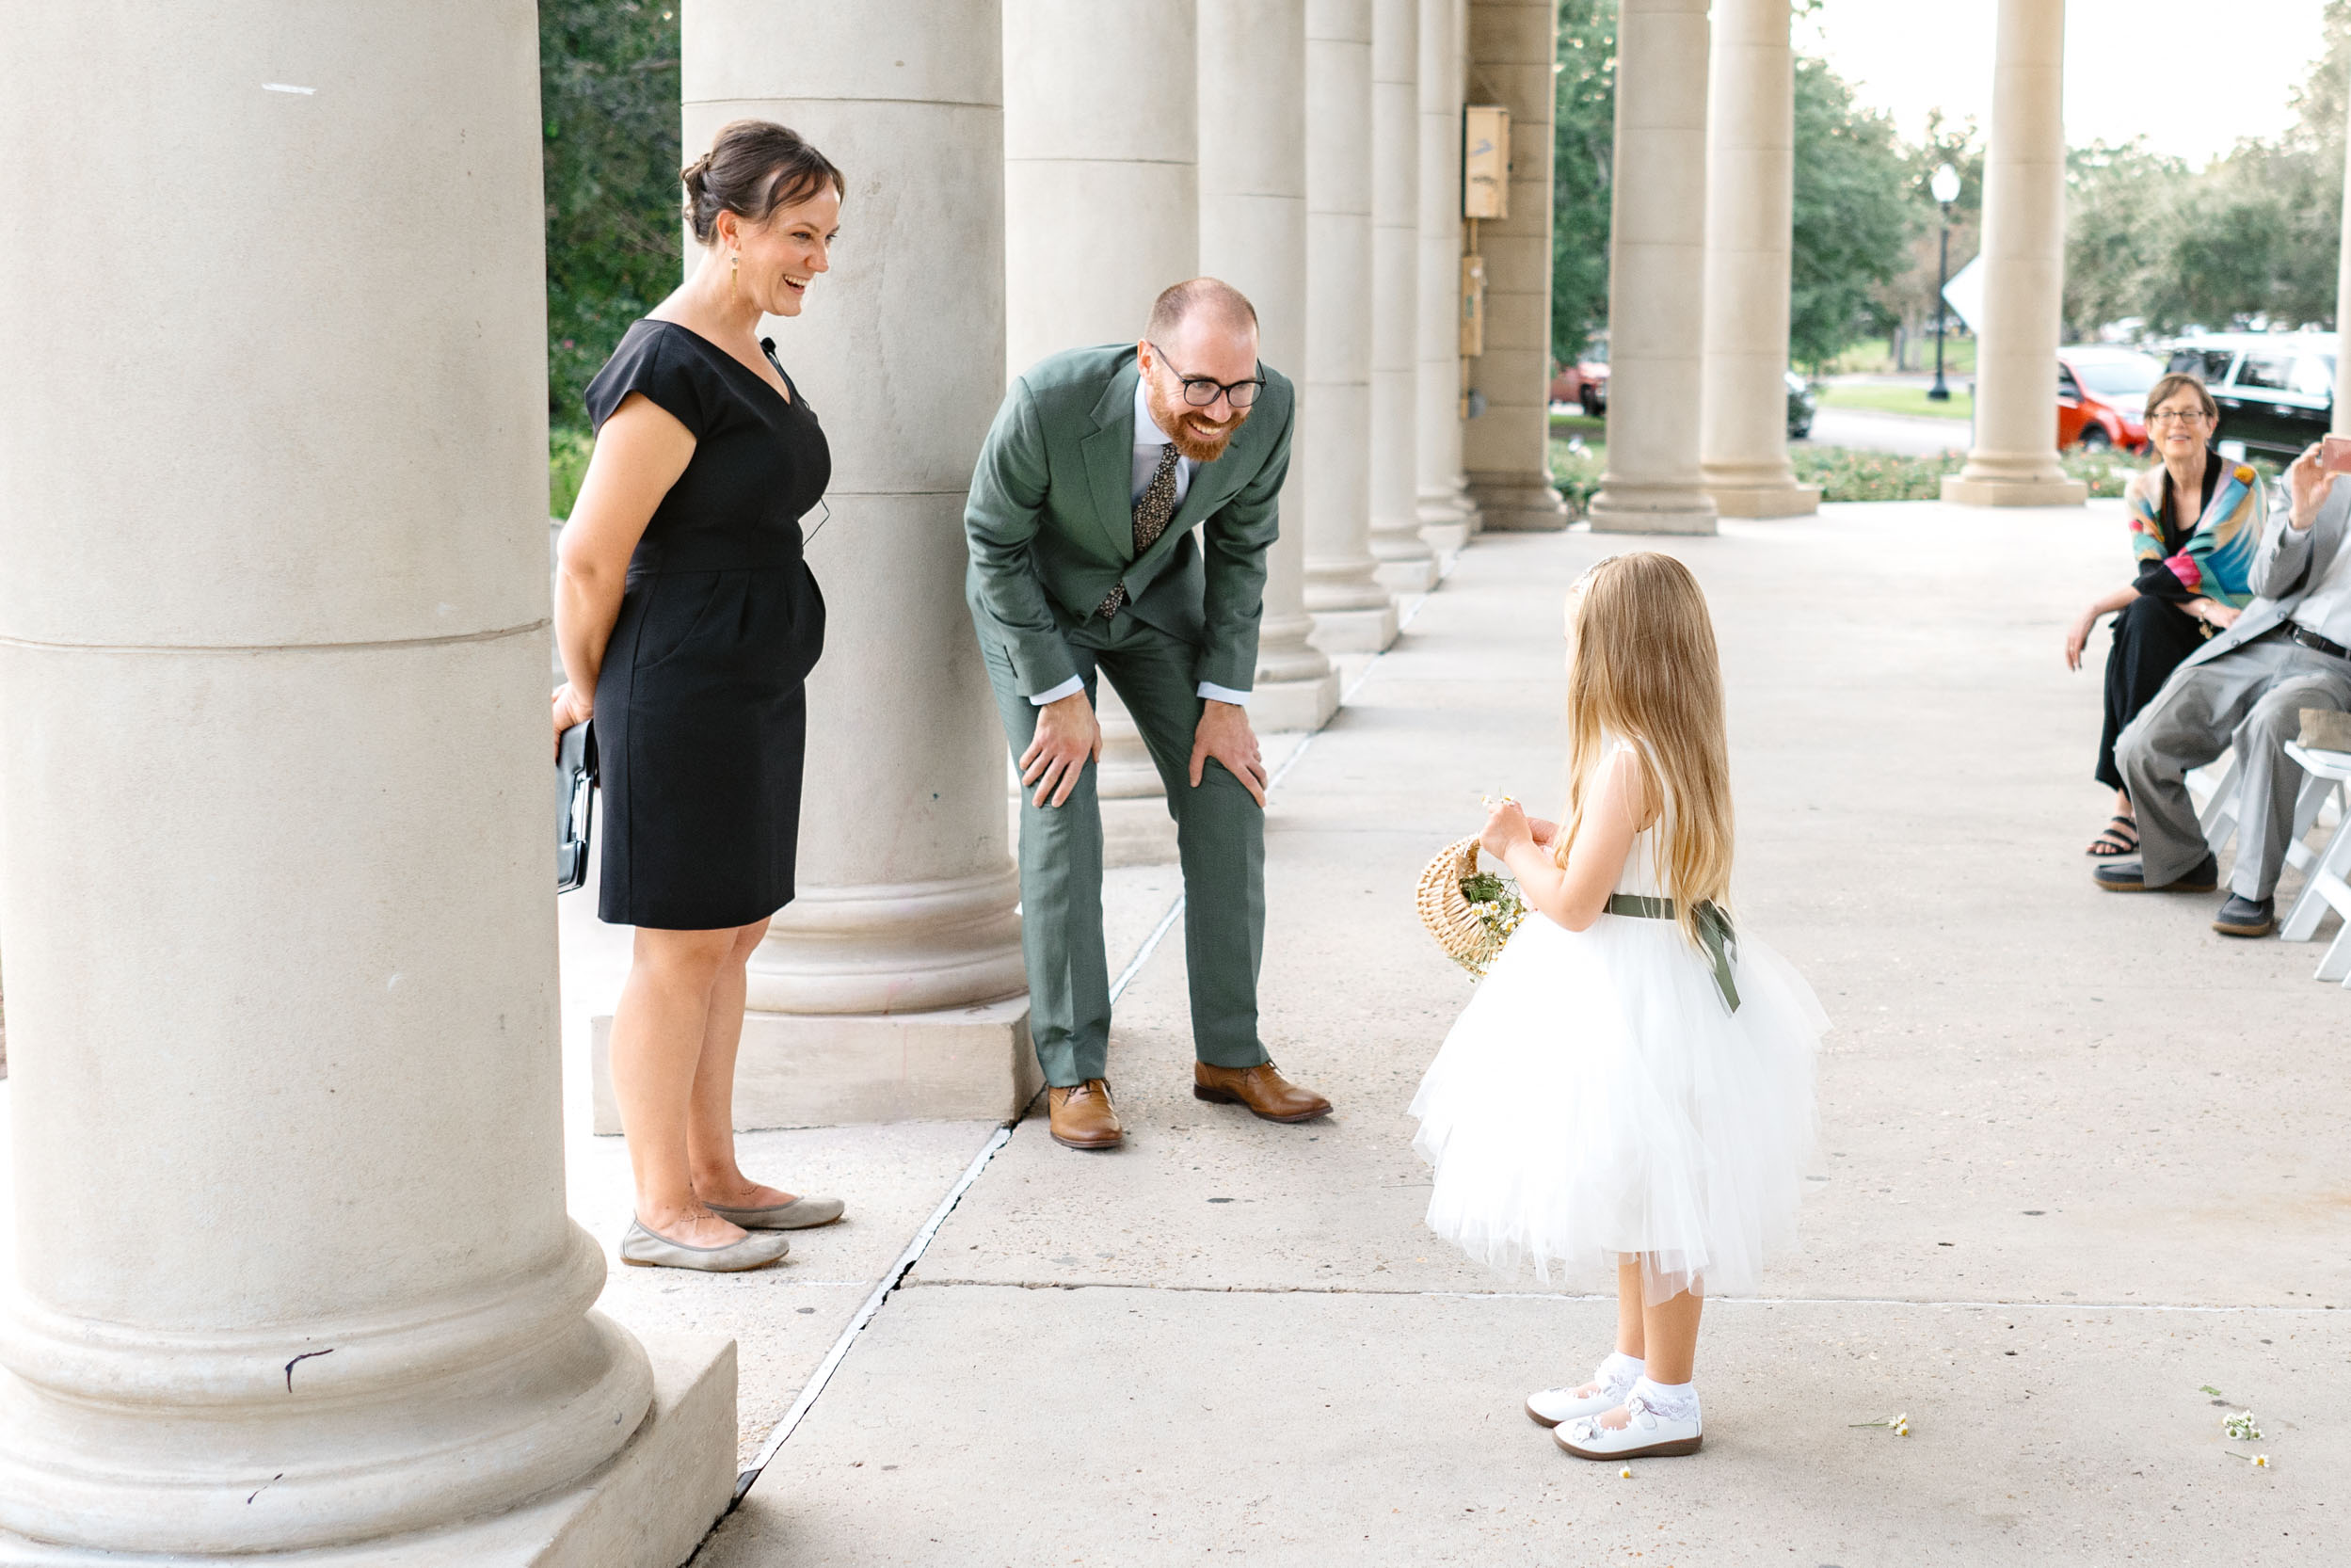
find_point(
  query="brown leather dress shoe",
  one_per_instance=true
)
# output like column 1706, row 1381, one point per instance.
column 1082, row 1116
column 1261, row 1088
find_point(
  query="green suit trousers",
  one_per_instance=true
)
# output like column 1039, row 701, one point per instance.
column 1220, row 834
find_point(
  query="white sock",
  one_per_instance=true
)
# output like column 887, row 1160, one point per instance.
column 1619, row 1372
column 1675, row 1401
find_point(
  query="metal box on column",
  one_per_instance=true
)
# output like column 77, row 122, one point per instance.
column 1485, row 161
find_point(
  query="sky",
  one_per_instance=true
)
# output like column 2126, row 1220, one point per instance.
column 2133, row 66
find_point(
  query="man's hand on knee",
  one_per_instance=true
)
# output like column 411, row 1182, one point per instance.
column 1224, row 734
column 1068, row 737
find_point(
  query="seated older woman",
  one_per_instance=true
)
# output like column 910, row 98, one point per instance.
column 2196, row 519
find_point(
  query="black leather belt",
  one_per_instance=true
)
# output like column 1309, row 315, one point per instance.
column 2315, row 643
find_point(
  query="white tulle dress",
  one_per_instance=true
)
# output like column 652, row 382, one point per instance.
column 1598, row 1099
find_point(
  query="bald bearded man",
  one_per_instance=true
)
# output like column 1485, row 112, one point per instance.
column 1102, row 466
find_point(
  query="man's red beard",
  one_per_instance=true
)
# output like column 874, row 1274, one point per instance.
column 1182, row 426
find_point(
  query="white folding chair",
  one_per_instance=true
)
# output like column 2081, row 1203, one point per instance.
column 2323, row 885
column 2218, row 815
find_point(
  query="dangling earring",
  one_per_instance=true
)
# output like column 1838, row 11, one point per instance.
column 734, row 274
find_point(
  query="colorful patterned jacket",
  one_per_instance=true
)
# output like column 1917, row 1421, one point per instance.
column 2215, row 559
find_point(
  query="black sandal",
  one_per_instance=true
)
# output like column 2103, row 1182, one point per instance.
column 2119, row 838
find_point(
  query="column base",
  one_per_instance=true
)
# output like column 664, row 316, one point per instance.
column 1367, row 630
column 1278, row 704
column 1516, row 503
column 1136, row 828
column 1447, row 514
column 1138, row 831
column 1662, row 512
column 1415, row 576
column 1446, row 538
column 1765, row 501
column 1963, row 491
column 649, row 1507
column 800, row 1069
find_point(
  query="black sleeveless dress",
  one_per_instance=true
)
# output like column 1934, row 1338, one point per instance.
column 2154, row 633
column 701, row 717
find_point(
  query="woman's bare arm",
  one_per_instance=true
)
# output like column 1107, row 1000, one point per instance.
column 639, row 454
column 2078, row 634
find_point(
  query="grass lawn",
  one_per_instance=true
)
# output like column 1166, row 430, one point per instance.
column 1898, row 400
column 1875, row 355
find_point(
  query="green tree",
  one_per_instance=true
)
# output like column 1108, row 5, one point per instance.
column 1583, row 144
column 1909, row 297
column 2121, row 209
column 608, row 101
column 2255, row 235
column 1854, row 216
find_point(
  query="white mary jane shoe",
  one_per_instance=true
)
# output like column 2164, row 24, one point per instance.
column 1648, row 1434
column 1548, row 1407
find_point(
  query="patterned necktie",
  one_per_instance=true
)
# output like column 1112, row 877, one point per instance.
column 1152, row 514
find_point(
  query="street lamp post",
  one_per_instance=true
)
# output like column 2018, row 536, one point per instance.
column 1945, row 186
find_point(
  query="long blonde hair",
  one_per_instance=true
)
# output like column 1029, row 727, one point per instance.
column 1645, row 670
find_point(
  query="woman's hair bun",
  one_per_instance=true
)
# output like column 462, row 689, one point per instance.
column 753, row 168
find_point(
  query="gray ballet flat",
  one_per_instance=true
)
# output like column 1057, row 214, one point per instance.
column 645, row 1250
column 799, row 1214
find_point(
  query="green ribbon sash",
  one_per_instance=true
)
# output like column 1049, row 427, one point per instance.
column 1714, row 934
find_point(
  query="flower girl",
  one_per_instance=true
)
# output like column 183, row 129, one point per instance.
column 1627, row 1097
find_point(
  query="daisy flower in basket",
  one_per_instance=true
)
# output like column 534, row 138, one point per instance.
column 1470, row 911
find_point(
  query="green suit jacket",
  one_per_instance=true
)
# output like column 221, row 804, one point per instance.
column 1050, row 523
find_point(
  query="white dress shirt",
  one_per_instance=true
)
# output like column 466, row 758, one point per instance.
column 1149, row 443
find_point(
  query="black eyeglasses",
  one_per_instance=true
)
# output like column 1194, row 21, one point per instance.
column 1201, row 390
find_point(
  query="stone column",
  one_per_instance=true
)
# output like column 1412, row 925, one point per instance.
column 1101, row 181
column 292, row 1266
column 1657, row 273
column 892, row 987
column 1102, row 204
column 1352, row 612
column 1751, row 174
column 2014, row 461
column 1252, row 235
column 1447, row 516
column 1406, row 563
column 1506, row 448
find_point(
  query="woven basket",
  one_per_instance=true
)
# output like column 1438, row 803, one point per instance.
column 1447, row 911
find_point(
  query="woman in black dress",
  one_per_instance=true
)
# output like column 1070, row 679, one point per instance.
column 2167, row 611
column 688, row 621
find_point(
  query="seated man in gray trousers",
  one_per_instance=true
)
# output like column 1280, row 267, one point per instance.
column 2290, row 649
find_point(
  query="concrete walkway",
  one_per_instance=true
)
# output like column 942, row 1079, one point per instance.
column 2084, row 1157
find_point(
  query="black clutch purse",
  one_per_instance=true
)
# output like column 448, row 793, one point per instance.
column 575, row 802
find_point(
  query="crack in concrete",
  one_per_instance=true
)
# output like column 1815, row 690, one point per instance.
column 899, row 1274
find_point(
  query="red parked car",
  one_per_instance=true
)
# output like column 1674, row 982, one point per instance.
column 2101, row 397
column 1585, row 381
